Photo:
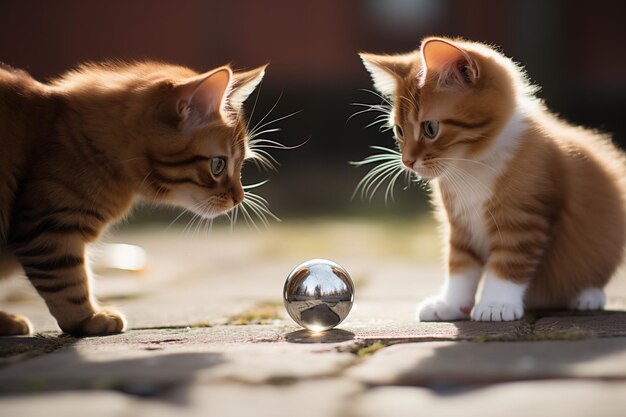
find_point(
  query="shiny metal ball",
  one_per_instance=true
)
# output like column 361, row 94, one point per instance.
column 318, row 294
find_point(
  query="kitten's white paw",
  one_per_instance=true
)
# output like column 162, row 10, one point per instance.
column 589, row 299
column 501, row 300
column 437, row 309
column 497, row 311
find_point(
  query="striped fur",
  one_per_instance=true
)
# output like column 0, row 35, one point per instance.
column 77, row 152
column 536, row 205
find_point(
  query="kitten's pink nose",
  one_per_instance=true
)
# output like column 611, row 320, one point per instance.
column 237, row 194
column 408, row 162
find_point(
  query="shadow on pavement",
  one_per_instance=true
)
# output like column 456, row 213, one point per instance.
column 556, row 346
column 146, row 376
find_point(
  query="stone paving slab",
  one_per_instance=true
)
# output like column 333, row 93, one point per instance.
column 245, row 353
column 324, row 397
column 407, row 330
column 315, row 398
column 599, row 323
column 68, row 403
column 146, row 362
column 149, row 360
column 332, row 397
column 457, row 363
column 518, row 399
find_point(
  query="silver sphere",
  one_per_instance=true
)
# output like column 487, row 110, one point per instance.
column 318, row 294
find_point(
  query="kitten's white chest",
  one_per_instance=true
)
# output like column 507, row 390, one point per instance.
column 468, row 206
column 471, row 184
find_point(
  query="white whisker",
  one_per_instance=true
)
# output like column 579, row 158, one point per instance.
column 271, row 130
column 263, row 159
column 184, row 211
column 256, row 126
column 255, row 185
column 376, row 184
column 256, row 99
column 383, row 120
column 260, row 205
column 233, row 218
column 370, row 109
column 392, row 183
column 384, row 108
column 255, row 130
column 254, row 208
column 385, row 99
column 387, row 166
column 271, row 144
column 247, row 217
column 256, row 144
column 465, row 160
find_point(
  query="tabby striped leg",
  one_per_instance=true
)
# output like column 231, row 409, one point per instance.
column 512, row 264
column 59, row 274
column 456, row 298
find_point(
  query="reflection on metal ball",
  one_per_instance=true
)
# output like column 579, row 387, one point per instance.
column 318, row 294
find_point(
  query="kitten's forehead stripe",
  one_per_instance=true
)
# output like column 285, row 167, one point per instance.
column 465, row 124
column 191, row 160
column 407, row 107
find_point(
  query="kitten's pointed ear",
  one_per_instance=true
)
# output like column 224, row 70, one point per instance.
column 201, row 98
column 452, row 65
column 244, row 83
column 387, row 71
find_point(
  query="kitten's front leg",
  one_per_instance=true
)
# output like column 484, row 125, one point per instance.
column 57, row 270
column 456, row 299
column 512, row 264
column 501, row 300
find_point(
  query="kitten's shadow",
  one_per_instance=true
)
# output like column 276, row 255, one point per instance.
column 545, row 345
column 328, row 336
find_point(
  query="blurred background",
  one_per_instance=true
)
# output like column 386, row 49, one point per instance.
column 573, row 49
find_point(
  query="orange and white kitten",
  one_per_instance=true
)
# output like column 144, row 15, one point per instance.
column 531, row 203
column 77, row 152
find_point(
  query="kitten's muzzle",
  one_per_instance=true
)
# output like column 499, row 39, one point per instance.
column 237, row 194
column 409, row 163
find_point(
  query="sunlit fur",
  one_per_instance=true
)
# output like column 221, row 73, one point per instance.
column 523, row 197
column 79, row 151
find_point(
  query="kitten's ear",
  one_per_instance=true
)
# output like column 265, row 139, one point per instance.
column 243, row 85
column 451, row 64
column 201, row 98
column 387, row 71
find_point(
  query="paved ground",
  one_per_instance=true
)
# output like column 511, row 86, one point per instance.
column 208, row 336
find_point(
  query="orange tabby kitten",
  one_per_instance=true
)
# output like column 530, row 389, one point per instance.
column 534, row 204
column 77, row 152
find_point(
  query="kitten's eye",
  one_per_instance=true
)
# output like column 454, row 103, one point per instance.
column 397, row 130
column 217, row 165
column 430, row 129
